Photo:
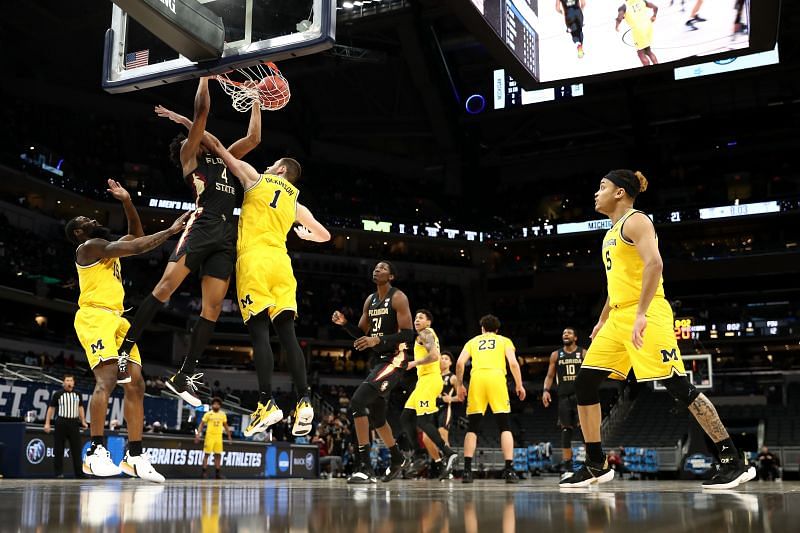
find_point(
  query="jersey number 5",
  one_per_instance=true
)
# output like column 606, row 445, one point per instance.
column 608, row 258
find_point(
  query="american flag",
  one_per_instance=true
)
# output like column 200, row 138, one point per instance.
column 137, row 59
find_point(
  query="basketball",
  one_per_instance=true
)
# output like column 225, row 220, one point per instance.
column 273, row 92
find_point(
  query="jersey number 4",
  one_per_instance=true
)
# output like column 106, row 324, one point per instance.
column 486, row 344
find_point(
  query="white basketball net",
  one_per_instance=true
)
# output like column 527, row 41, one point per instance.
column 262, row 83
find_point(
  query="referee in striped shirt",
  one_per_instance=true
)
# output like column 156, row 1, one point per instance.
column 69, row 410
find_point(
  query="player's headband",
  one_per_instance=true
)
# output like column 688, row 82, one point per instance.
column 621, row 182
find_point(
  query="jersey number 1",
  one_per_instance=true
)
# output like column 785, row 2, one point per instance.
column 274, row 203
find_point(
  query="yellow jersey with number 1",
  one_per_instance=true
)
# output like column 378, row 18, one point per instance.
column 624, row 266
column 101, row 284
column 421, row 353
column 488, row 352
column 269, row 210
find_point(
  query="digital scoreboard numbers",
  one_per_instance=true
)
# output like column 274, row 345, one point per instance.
column 683, row 329
column 520, row 36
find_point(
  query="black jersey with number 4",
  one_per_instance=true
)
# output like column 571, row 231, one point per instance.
column 382, row 321
column 214, row 189
column 567, row 367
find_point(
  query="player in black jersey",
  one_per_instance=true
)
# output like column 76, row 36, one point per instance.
column 564, row 365
column 207, row 245
column 385, row 330
column 573, row 17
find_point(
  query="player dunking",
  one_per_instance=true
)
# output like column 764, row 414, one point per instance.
column 636, row 330
column 489, row 352
column 421, row 406
column 265, row 283
column 564, row 365
column 207, row 246
column 635, row 13
column 385, row 330
column 573, row 18
column 100, row 328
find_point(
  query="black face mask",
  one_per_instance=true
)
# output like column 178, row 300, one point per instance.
column 100, row 232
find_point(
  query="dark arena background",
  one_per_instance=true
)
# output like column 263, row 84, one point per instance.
column 463, row 142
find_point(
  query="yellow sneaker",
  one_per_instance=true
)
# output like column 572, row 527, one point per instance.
column 303, row 417
column 263, row 417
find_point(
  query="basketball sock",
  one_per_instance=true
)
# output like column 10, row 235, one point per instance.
column 262, row 354
column 265, row 397
column 509, row 464
column 594, row 452
column 96, row 441
column 727, row 451
column 467, row 463
column 397, row 455
column 408, row 420
column 363, row 454
column 134, row 448
column 284, row 327
column 201, row 334
column 144, row 315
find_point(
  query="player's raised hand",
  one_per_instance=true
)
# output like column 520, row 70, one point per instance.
column 546, row 399
column 180, row 222
column 338, row 318
column 163, row 112
column 118, row 191
column 639, row 325
column 304, row 233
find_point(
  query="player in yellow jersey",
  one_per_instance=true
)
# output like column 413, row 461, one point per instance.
column 214, row 421
column 265, row 284
column 637, row 14
column 489, row 352
column 635, row 330
column 421, row 408
column 100, row 328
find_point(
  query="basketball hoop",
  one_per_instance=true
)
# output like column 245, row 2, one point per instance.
column 262, row 83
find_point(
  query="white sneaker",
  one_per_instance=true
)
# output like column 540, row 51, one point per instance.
column 303, row 417
column 139, row 466
column 100, row 464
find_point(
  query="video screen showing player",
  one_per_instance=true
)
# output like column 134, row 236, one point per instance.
column 587, row 37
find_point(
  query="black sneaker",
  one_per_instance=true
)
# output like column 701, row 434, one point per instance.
column 363, row 475
column 698, row 18
column 396, row 467
column 448, row 462
column 589, row 474
column 510, row 476
column 435, row 470
column 467, row 477
column 418, row 463
column 123, row 374
column 185, row 386
column 730, row 476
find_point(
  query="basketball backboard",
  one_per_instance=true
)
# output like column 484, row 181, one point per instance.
column 699, row 370
column 255, row 31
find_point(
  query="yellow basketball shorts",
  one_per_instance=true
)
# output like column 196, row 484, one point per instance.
column 487, row 388
column 642, row 36
column 613, row 349
column 423, row 398
column 101, row 333
column 212, row 444
column 265, row 280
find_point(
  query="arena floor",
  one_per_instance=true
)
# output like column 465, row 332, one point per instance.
column 424, row 506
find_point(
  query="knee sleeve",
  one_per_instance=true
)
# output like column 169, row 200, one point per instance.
column 360, row 402
column 503, row 423
column 475, row 422
column 681, row 389
column 566, row 438
column 377, row 413
column 587, row 384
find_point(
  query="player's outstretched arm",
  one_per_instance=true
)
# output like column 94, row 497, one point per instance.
column 202, row 105
column 311, row 229
column 354, row 331
column 96, row 249
column 246, row 144
column 427, row 339
column 247, row 175
column 135, row 229
column 548, row 379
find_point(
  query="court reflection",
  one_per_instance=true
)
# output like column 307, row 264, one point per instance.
column 326, row 506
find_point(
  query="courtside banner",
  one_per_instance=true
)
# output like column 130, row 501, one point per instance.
column 177, row 457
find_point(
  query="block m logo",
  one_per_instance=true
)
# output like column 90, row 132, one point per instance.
column 97, row 346
column 423, row 403
column 666, row 355
column 247, row 301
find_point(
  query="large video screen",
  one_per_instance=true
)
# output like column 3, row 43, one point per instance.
column 556, row 40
